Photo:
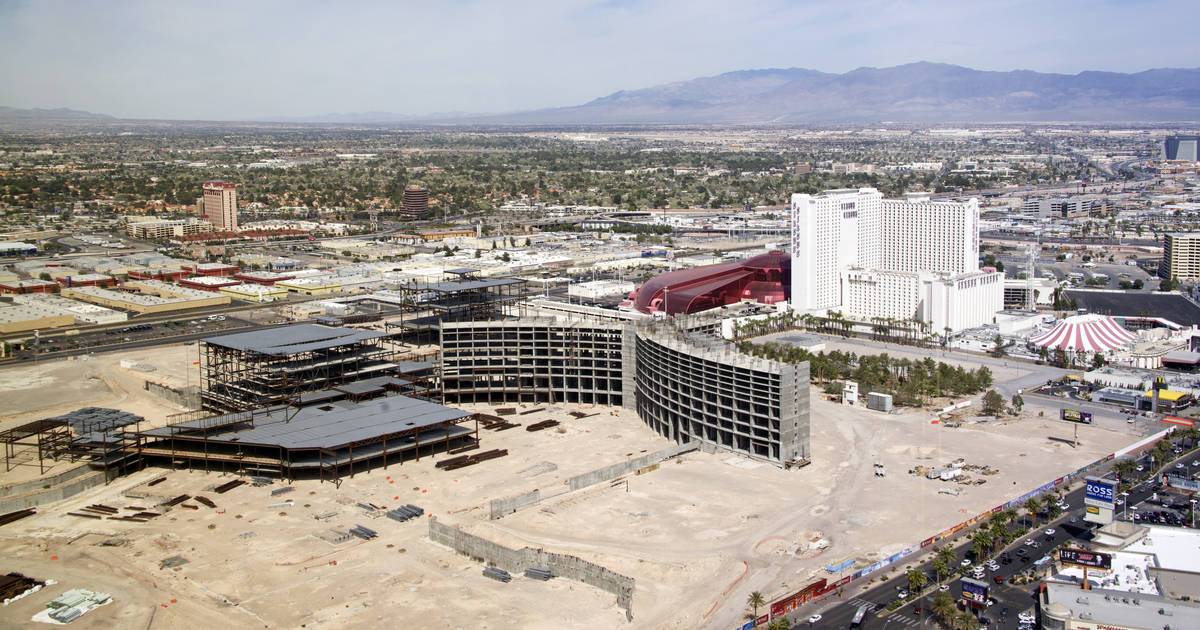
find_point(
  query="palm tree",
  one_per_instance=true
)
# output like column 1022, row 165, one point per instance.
column 943, row 606
column 779, row 624
column 1032, row 505
column 916, row 581
column 946, row 554
column 754, row 600
column 980, row 543
column 940, row 569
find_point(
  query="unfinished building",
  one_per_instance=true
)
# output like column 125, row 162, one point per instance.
column 689, row 387
column 534, row 359
column 464, row 298
column 267, row 367
column 325, row 434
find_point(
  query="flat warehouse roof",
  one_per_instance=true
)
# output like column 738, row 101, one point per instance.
column 293, row 339
column 329, row 426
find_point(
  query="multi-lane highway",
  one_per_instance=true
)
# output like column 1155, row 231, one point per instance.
column 1010, row 599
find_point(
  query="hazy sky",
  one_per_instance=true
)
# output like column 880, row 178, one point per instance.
column 259, row 59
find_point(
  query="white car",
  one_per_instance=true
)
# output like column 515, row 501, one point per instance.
column 1050, row 532
column 993, row 566
column 966, row 562
column 1026, row 617
column 812, row 621
column 944, row 587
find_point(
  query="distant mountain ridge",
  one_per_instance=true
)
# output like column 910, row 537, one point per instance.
column 14, row 113
column 920, row 92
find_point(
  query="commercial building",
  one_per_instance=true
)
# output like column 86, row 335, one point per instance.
column 1063, row 207
column 1066, row 607
column 16, row 248
column 1181, row 257
column 220, row 205
column 208, row 283
column 416, row 201
column 868, row 257
column 28, row 286
column 153, row 297
column 83, row 312
column 167, row 229
column 266, row 367
column 764, row 278
column 1181, row 149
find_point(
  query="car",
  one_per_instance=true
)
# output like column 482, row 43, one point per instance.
column 1050, row 533
column 1026, row 617
column 902, row 594
column 998, row 579
column 916, row 611
column 944, row 587
column 1179, row 465
column 1130, row 421
column 966, row 562
column 1064, row 506
column 1119, row 501
column 1074, row 519
column 1140, row 468
column 812, row 621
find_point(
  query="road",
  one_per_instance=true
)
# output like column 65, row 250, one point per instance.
column 837, row 612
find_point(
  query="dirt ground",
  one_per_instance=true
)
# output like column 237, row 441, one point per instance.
column 697, row 535
column 45, row 389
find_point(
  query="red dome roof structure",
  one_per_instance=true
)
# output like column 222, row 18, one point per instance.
column 1085, row 333
column 764, row 278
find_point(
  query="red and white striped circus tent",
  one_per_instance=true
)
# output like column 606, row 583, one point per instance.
column 1085, row 333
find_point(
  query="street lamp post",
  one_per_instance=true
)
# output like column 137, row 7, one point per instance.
column 1125, row 503
column 1193, row 514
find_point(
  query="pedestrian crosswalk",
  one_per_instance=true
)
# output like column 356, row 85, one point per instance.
column 902, row 619
column 859, row 602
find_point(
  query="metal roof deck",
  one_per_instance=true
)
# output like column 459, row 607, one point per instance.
column 472, row 284
column 330, row 426
column 292, row 339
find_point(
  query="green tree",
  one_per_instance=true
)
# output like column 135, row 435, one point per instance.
column 1017, row 402
column 1033, row 505
column 754, row 600
column 993, row 403
column 940, row 569
column 779, row 624
column 916, row 581
column 943, row 607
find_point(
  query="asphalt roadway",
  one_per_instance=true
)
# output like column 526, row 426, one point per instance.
column 837, row 611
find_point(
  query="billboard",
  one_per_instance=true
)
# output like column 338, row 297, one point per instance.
column 1100, row 492
column 1074, row 415
column 1085, row 559
column 1097, row 514
column 1182, row 483
column 974, row 591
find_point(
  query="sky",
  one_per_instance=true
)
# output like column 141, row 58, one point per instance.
column 271, row 60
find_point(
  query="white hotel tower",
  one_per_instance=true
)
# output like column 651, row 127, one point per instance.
column 868, row 257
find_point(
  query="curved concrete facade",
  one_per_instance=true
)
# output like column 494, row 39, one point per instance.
column 692, row 389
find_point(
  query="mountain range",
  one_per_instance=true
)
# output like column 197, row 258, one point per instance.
column 920, row 92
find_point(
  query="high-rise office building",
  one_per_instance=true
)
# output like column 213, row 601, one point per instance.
column 1181, row 148
column 220, row 205
column 868, row 257
column 416, row 200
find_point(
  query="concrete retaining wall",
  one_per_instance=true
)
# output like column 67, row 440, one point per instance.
column 624, row 468
column 188, row 397
column 53, row 493
column 516, row 561
column 504, row 507
column 41, row 482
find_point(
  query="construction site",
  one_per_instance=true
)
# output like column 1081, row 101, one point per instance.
column 686, row 532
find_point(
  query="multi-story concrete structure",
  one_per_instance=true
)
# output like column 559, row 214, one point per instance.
column 167, row 229
column 1063, row 207
column 220, row 205
column 869, row 257
column 1181, row 257
column 683, row 381
column 535, row 359
column 416, row 200
column 1181, row 148
column 694, row 387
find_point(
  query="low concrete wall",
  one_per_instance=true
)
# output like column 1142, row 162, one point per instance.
column 188, row 397
column 41, row 482
column 624, row 468
column 516, row 561
column 54, row 493
column 504, row 507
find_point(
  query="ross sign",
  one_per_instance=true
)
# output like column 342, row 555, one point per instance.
column 1074, row 415
column 1085, row 559
column 974, row 591
column 1100, row 492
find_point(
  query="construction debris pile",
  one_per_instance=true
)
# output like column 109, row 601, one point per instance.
column 955, row 471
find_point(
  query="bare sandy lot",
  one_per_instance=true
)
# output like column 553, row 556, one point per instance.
column 697, row 534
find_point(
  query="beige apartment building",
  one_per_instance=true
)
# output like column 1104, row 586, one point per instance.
column 1181, row 257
